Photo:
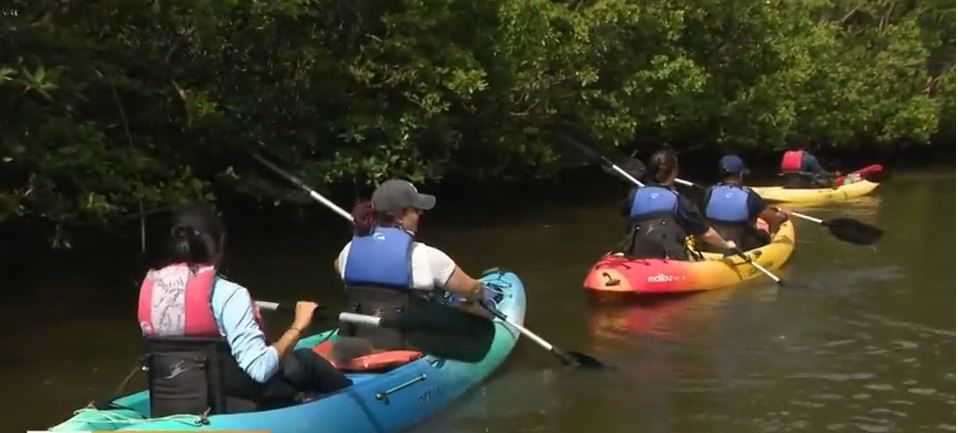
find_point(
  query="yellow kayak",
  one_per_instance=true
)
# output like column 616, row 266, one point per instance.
column 816, row 195
column 615, row 273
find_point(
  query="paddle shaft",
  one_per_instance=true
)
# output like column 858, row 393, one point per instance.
column 761, row 268
column 532, row 336
column 624, row 173
column 267, row 305
column 808, row 218
column 359, row 319
column 312, row 193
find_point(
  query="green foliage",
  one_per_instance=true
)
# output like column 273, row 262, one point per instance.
column 130, row 104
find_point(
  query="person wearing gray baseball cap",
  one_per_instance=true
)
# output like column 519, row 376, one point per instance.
column 385, row 269
column 732, row 209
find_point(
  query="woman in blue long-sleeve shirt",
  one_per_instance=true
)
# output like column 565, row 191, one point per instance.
column 185, row 300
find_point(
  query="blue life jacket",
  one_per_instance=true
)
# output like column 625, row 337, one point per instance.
column 381, row 258
column 653, row 200
column 727, row 203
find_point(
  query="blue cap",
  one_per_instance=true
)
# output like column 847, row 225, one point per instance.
column 732, row 164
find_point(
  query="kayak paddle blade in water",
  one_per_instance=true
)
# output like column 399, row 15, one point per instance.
column 443, row 330
column 853, row 231
column 568, row 358
column 579, row 359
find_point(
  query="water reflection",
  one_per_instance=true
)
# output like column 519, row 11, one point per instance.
column 862, row 339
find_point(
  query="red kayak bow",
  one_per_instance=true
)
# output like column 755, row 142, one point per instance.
column 871, row 173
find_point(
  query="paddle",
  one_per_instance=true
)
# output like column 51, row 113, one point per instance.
column 315, row 195
column 743, row 256
column 439, row 329
column 844, row 229
column 567, row 358
column 638, row 169
column 847, row 229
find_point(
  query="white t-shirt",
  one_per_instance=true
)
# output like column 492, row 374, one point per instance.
column 431, row 268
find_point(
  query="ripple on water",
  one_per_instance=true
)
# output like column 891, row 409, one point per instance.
column 833, row 377
column 883, row 410
column 906, row 344
column 810, row 404
column 874, row 428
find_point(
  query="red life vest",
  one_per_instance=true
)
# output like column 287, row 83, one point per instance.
column 175, row 302
column 792, row 161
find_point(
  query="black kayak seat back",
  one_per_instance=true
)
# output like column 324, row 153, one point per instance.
column 187, row 375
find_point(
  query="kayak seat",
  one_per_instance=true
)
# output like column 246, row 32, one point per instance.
column 376, row 361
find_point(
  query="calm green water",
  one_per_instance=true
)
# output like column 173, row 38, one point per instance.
column 863, row 340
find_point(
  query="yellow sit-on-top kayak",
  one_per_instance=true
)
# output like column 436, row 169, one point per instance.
column 615, row 273
column 815, row 195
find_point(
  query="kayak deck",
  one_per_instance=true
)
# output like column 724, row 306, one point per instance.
column 374, row 403
column 815, row 195
column 617, row 274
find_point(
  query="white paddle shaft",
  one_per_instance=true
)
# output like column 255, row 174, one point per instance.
column 312, row 193
column 360, row 319
column 532, row 336
column 626, row 174
column 266, row 305
column 329, row 204
column 808, row 218
column 762, row 268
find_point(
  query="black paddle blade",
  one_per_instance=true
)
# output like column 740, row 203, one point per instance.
column 576, row 359
column 586, row 361
column 854, row 231
column 443, row 330
column 633, row 166
column 588, row 151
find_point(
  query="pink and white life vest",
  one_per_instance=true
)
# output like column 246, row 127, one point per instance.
column 175, row 302
column 792, row 161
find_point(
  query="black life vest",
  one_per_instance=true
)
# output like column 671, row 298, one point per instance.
column 653, row 229
column 726, row 211
column 378, row 278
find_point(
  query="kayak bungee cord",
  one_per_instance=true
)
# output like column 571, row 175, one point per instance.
column 105, row 416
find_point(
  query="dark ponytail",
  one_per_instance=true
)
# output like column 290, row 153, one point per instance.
column 366, row 218
column 196, row 236
column 660, row 164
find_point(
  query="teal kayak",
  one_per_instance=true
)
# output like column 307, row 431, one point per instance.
column 375, row 403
